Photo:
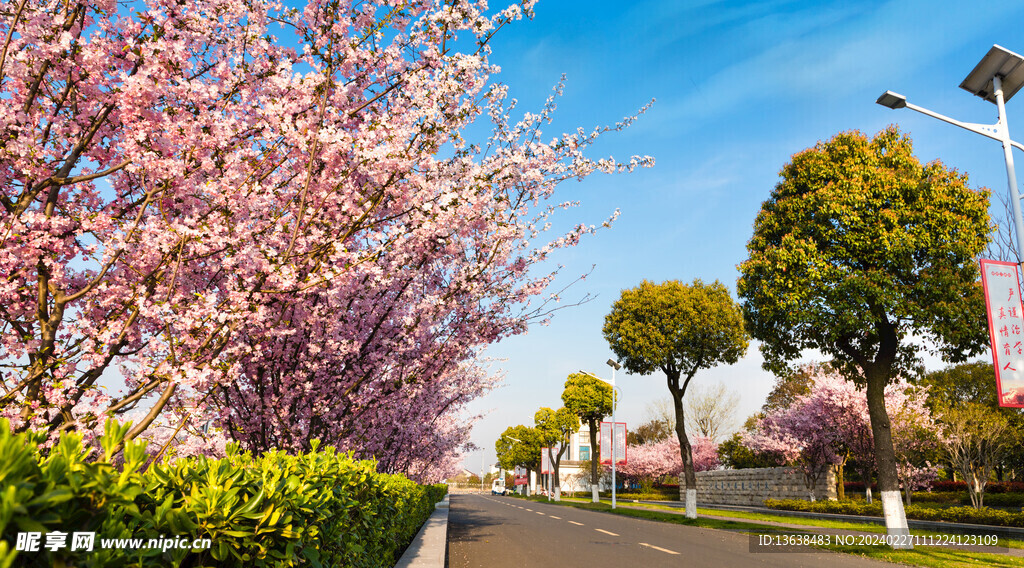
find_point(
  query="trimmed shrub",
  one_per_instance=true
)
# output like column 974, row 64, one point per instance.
column 983, row 516
column 320, row 508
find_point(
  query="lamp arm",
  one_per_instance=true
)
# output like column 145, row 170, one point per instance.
column 993, row 131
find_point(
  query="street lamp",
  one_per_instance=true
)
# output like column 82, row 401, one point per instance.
column 615, row 366
column 996, row 78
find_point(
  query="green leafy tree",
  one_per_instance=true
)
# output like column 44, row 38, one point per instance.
column 524, row 453
column 791, row 383
column 590, row 399
column 975, row 438
column 556, row 428
column 654, row 430
column 975, row 383
column 735, row 455
column 858, row 247
column 678, row 329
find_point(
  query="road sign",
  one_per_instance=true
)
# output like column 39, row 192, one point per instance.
column 520, row 476
column 620, row 443
column 1005, row 328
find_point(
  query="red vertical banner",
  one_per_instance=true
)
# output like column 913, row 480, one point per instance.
column 606, row 443
column 1005, row 328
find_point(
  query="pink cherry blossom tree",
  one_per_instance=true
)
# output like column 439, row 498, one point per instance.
column 290, row 242
column 830, row 425
column 655, row 460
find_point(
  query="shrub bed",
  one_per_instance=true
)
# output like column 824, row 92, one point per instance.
column 983, row 516
column 320, row 508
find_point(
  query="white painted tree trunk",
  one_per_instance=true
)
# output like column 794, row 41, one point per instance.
column 594, row 493
column 691, row 503
column 896, row 519
column 867, row 494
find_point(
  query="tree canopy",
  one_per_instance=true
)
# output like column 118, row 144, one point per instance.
column 859, row 246
column 675, row 328
column 265, row 235
column 588, row 397
column 525, row 452
column 678, row 329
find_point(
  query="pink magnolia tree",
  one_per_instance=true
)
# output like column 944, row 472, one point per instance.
column 287, row 243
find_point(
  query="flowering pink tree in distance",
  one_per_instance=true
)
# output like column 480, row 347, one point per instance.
column 655, row 460
column 819, row 430
column 297, row 242
column 830, row 425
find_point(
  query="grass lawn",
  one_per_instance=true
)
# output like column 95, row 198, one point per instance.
column 757, row 523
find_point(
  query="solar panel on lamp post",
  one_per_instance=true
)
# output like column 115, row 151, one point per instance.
column 996, row 78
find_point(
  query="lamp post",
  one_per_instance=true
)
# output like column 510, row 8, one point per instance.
column 996, row 78
column 615, row 366
column 483, row 456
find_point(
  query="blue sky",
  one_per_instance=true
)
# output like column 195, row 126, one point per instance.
column 739, row 88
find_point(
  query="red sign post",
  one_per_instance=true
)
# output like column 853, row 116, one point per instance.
column 1006, row 328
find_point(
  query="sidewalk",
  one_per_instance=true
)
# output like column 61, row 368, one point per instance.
column 428, row 549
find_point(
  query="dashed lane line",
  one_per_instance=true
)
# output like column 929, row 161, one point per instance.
column 577, row 524
column 554, row 517
column 606, row 532
column 658, row 548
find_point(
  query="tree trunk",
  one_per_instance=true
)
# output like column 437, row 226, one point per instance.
column 885, row 457
column 841, row 479
column 685, row 451
column 558, row 479
column 595, row 456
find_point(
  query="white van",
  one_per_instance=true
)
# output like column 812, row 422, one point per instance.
column 498, row 487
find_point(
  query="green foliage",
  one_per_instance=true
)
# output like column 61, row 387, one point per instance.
column 525, row 452
column 860, row 245
column 1015, row 500
column 967, row 382
column 734, row 454
column 675, row 327
column 654, row 430
column 983, row 516
column 588, row 397
column 320, row 508
column 555, row 426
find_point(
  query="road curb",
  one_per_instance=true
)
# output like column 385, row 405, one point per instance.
column 428, row 548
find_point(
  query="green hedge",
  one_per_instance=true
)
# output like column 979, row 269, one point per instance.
column 321, row 508
column 962, row 498
column 983, row 516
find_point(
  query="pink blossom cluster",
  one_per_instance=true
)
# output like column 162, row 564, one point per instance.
column 655, row 460
column 830, row 425
column 295, row 243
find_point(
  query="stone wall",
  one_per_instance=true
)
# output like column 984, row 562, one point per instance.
column 751, row 487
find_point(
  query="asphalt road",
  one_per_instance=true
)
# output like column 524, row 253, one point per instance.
column 504, row 532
